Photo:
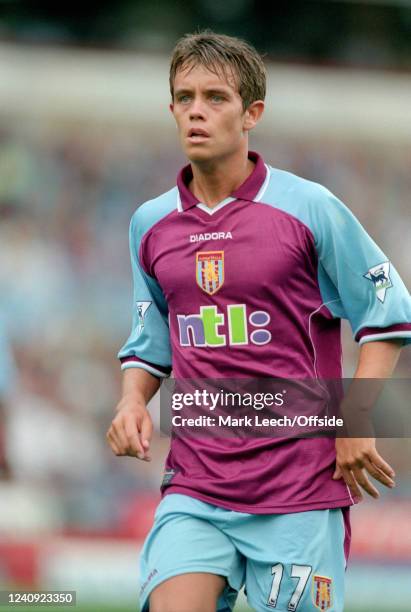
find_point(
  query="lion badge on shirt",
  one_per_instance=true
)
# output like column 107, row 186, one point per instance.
column 210, row 270
column 142, row 308
column 379, row 275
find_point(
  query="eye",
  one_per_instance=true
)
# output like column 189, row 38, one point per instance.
column 217, row 98
column 184, row 99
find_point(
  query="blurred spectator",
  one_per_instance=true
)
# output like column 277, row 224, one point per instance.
column 7, row 383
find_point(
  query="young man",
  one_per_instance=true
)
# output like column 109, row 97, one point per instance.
column 244, row 271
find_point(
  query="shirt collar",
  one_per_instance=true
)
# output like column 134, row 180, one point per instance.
column 246, row 191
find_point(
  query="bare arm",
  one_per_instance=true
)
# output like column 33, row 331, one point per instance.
column 378, row 359
column 357, row 456
column 131, row 429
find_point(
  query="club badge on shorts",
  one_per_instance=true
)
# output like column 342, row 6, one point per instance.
column 322, row 592
column 210, row 271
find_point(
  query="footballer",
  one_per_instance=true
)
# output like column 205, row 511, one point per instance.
column 243, row 270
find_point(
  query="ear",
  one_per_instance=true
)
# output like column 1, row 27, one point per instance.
column 171, row 107
column 253, row 114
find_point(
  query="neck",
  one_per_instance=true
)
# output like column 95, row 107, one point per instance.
column 215, row 180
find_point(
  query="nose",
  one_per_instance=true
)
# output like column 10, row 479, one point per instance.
column 197, row 110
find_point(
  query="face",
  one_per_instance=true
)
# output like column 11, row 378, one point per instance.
column 209, row 114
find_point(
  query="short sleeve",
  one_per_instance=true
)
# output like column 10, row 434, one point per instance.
column 148, row 346
column 357, row 280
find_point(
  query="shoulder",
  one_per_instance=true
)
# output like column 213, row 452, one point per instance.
column 310, row 202
column 285, row 182
column 153, row 211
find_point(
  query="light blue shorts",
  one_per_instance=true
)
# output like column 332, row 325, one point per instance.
column 287, row 562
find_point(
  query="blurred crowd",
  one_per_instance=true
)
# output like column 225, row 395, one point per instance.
column 67, row 193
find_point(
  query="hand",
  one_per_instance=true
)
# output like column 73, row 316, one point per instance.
column 131, row 429
column 356, row 457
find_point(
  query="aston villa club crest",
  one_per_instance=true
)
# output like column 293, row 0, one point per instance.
column 322, row 592
column 379, row 275
column 210, row 271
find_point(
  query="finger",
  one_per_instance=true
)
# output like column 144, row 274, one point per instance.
column 134, row 437
column 337, row 474
column 116, row 451
column 146, row 431
column 362, row 479
column 378, row 474
column 119, row 434
column 113, row 445
column 382, row 465
column 113, row 440
column 120, row 451
column 351, row 483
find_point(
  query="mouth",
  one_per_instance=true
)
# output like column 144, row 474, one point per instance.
column 197, row 135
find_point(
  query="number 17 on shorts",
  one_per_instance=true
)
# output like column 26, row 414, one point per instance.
column 318, row 589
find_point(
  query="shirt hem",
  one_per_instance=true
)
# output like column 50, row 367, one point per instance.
column 258, row 509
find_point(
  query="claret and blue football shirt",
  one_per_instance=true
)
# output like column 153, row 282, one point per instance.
column 256, row 287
